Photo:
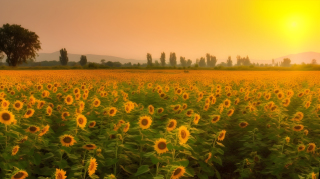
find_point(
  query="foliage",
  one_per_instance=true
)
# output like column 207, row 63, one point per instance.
column 19, row 44
column 83, row 60
column 149, row 59
column 163, row 59
column 63, row 56
column 173, row 59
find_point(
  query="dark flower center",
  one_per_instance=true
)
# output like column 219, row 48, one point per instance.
column 67, row 140
column 177, row 171
column 18, row 175
column 310, row 147
column 221, row 135
column 17, row 105
column 243, row 124
column 6, row 116
column 80, row 120
column 162, row 145
column 89, row 145
column 29, row 112
column 183, row 134
column 144, row 122
column 33, row 128
column 171, row 124
column 215, row 118
column 297, row 127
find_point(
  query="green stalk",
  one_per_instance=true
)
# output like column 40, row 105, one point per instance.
column 115, row 165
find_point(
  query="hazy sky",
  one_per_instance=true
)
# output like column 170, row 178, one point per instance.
column 261, row 29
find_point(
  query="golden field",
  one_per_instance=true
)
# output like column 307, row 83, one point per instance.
column 161, row 124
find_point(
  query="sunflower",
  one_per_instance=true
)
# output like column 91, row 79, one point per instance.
column 243, row 124
column 20, row 175
column 287, row 139
column 313, row 175
column 64, row 115
column 222, row 134
column 176, row 107
column 92, row 124
column 76, row 91
column 44, row 130
column 92, row 166
column 151, row 109
column 301, row 147
column 160, row 146
column 215, row 118
column 145, row 122
column 209, row 157
column 183, row 135
column 178, row 172
column 311, row 147
column 184, row 106
column 17, row 105
column 196, row 118
column 15, row 150
column 40, row 104
column 81, row 121
column 126, row 127
column 89, row 146
column 67, row 140
column 160, row 110
column 189, row 112
column 280, row 95
column 171, row 125
column 49, row 111
column 33, row 129
column 5, row 104
column 112, row 111
column 286, row 102
column 60, row 174
column 185, row 96
column 230, row 112
column 6, row 117
column 81, row 105
column 307, row 104
column 25, row 138
column 300, row 94
column 298, row 127
column 267, row 96
column 68, row 100
column 227, row 103
column 96, row 102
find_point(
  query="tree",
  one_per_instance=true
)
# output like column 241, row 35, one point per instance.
column 202, row 62
column 229, row 62
column 19, row 44
column 286, row 62
column 1, row 56
column 189, row 62
column 314, row 62
column 163, row 59
column 208, row 60
column 272, row 62
column 102, row 61
column 109, row 64
column 173, row 59
column 213, row 61
column 183, row 61
column 156, row 63
column 64, row 57
column 83, row 60
column 243, row 61
column 149, row 59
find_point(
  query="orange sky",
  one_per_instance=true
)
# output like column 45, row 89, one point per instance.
column 262, row 29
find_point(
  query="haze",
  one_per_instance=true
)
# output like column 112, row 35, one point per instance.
column 130, row 29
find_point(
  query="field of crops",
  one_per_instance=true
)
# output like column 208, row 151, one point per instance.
column 159, row 124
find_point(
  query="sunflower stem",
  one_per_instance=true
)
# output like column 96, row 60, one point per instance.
column 157, row 169
column 6, row 135
column 214, row 143
column 115, row 165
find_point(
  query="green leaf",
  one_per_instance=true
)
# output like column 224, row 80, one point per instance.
column 36, row 158
column 217, row 160
column 186, row 146
column 154, row 159
column 159, row 177
column 149, row 154
column 47, row 156
column 142, row 169
column 202, row 176
column 218, row 174
column 220, row 144
column 170, row 146
column 62, row 164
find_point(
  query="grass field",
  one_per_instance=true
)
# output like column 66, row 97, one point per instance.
column 161, row 124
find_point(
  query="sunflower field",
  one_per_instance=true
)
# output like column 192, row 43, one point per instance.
column 159, row 124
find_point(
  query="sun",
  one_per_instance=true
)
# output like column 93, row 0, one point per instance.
column 294, row 24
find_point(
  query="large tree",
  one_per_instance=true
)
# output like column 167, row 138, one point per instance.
column 64, row 57
column 229, row 62
column 173, row 59
column 163, row 59
column 19, row 44
column 83, row 60
column 149, row 59
column 183, row 61
column 286, row 62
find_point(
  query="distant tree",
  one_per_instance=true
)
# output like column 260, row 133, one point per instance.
column 189, row 62
column 229, row 62
column 272, row 62
column 149, row 59
column 83, row 60
column 202, row 62
column 173, row 59
column 243, row 61
column 208, row 57
column 109, row 64
column 213, row 61
column 138, row 64
column 127, row 64
column 197, row 61
column 117, row 64
column 102, row 61
column 19, row 44
column 156, row 63
column 183, row 61
column 286, row 62
column 64, row 57
column 314, row 62
column 1, row 56
column 163, row 59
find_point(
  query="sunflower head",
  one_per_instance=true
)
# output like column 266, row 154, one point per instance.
column 17, row 105
column 126, row 127
column 81, row 121
column 183, row 134
column 20, row 174
column 60, row 174
column 151, row 109
column 287, row 139
column 15, row 150
column 33, row 129
column 230, row 112
column 89, row 146
column 112, row 111
column 92, row 124
column 178, row 172
column 68, row 100
column 160, row 146
column 311, row 147
column 145, row 122
column 243, row 124
column 96, row 102
column 92, row 166
column 67, row 140
column 171, row 125
column 298, row 127
column 215, row 118
column 6, row 117
column 44, row 130
column 301, row 147
column 222, row 135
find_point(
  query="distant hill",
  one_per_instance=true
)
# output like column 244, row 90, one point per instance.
column 299, row 58
column 90, row 57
